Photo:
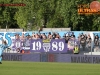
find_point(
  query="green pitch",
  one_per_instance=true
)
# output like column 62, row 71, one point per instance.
column 48, row 68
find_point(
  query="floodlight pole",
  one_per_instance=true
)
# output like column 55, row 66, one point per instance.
column 7, row 22
column 6, row 27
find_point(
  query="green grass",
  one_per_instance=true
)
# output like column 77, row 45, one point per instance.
column 48, row 68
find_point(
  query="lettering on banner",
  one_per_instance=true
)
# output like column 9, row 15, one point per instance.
column 17, row 44
column 9, row 35
column 47, row 45
column 96, row 59
column 79, row 59
column 36, row 45
column 85, row 59
column 57, row 46
column 12, row 57
column 8, row 38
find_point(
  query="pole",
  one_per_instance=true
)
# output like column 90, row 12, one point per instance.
column 6, row 28
column 92, row 41
column 91, row 46
column 7, row 22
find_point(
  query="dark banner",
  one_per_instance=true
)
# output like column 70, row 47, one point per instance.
column 52, row 58
column 21, row 57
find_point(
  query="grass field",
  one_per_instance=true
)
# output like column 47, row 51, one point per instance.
column 48, row 68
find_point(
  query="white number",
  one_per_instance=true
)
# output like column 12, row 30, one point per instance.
column 54, row 46
column 18, row 44
column 61, row 46
column 57, row 46
column 36, row 45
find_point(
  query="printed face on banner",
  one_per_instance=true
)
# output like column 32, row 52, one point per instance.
column 72, row 43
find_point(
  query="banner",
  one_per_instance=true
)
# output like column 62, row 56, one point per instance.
column 23, row 40
column 51, row 57
column 72, row 43
column 69, row 58
column 58, row 45
column 53, row 46
column 36, row 45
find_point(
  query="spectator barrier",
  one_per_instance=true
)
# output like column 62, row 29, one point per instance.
column 69, row 58
column 44, row 57
column 51, row 58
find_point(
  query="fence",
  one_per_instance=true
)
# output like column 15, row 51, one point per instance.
column 52, row 58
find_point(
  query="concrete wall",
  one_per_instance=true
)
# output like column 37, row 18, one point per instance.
column 11, row 30
column 56, row 29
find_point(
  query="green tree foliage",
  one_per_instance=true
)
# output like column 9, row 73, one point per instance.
column 50, row 13
column 7, row 14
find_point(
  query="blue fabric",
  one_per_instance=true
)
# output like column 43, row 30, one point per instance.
column 2, row 48
column 0, row 52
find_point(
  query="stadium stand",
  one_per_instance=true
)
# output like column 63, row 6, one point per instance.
column 89, row 41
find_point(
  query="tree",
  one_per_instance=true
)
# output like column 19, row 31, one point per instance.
column 50, row 13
